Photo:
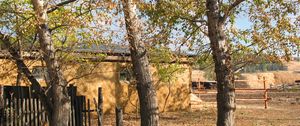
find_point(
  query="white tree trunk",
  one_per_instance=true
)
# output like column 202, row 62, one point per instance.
column 59, row 116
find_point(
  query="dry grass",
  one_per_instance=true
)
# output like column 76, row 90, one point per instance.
column 286, row 77
column 279, row 113
column 244, row 117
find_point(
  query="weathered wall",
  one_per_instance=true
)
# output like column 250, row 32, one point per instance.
column 171, row 96
column 8, row 72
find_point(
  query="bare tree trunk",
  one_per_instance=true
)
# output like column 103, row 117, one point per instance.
column 19, row 71
column 58, row 86
column 146, row 91
column 223, row 66
column 19, row 77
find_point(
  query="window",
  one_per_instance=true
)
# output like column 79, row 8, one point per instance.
column 39, row 72
column 125, row 74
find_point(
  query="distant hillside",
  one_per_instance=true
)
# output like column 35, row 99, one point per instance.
column 293, row 66
column 267, row 67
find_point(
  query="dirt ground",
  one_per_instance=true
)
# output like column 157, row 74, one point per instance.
column 283, row 110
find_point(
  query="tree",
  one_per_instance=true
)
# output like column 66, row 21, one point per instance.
column 139, row 56
column 55, row 34
column 274, row 31
column 59, row 115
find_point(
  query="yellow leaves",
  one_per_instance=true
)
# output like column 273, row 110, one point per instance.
column 295, row 39
column 255, row 37
column 234, row 31
column 111, row 5
column 162, row 54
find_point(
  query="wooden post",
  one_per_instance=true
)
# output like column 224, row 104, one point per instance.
column 84, row 111
column 14, row 111
column 265, row 94
column 7, row 105
column 1, row 105
column 80, row 110
column 89, row 113
column 119, row 116
column 99, row 107
column 72, row 94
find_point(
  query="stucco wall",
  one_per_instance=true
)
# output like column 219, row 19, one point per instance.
column 171, row 96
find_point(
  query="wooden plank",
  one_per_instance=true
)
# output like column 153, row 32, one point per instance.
column 38, row 111
column 80, row 111
column 7, row 112
column 2, row 116
column 14, row 112
column 2, row 102
column 248, row 80
column 34, row 119
column 251, row 99
column 72, row 93
column 26, row 111
column 89, row 113
column 77, row 112
column 70, row 115
column 10, row 112
column 99, row 107
column 4, row 112
column 19, row 110
column 85, row 111
column 72, row 112
column 119, row 116
column 22, row 111
column 30, row 111
column 252, row 89
column 43, row 114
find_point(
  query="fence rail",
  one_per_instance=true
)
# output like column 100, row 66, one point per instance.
column 265, row 96
column 199, row 89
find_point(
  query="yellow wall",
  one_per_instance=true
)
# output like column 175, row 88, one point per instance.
column 106, row 75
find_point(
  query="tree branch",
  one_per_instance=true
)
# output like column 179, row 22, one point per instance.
column 58, row 26
column 55, row 7
column 193, row 20
column 230, row 9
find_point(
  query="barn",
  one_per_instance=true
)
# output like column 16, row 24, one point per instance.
column 108, row 67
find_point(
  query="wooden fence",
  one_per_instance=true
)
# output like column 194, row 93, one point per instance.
column 265, row 91
column 199, row 88
column 22, row 107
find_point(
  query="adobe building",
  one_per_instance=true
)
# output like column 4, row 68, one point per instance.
column 109, row 68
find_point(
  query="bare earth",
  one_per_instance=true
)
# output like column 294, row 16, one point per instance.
column 282, row 111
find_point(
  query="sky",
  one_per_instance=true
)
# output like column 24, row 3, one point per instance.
column 243, row 22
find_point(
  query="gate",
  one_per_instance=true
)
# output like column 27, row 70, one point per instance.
column 20, row 106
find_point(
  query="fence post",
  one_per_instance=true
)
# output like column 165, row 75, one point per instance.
column 72, row 94
column 119, row 116
column 89, row 113
column 99, row 107
column 1, row 105
column 265, row 93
